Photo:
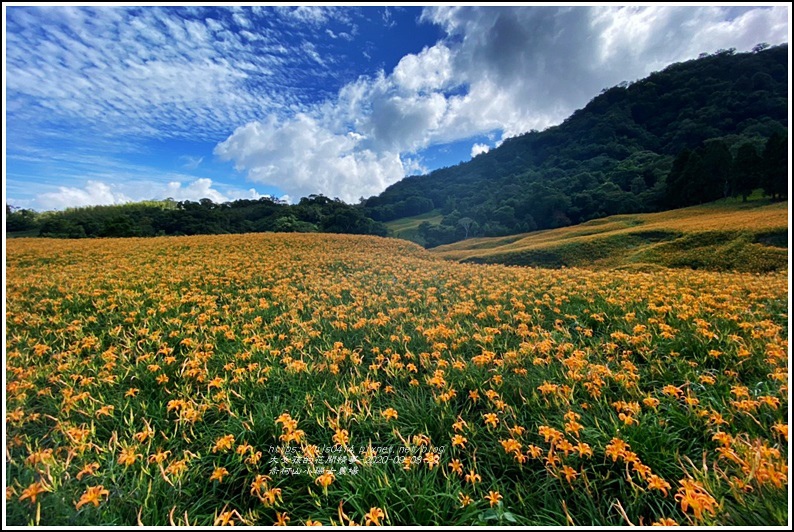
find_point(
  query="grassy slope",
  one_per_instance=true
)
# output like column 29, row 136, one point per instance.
column 725, row 235
column 406, row 228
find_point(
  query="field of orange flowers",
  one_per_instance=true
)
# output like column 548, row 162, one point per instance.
column 317, row 379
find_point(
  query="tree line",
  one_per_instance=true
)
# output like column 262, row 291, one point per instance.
column 711, row 172
column 315, row 213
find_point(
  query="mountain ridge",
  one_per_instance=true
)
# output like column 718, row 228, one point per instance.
column 612, row 156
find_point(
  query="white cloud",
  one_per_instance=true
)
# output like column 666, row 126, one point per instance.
column 240, row 19
column 198, row 189
column 304, row 157
column 405, row 123
column 190, row 162
column 94, row 193
column 387, row 20
column 313, row 15
column 431, row 69
column 478, row 149
column 154, row 72
column 631, row 36
column 310, row 50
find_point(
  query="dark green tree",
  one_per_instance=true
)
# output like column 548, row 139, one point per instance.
column 717, row 162
column 774, row 178
column 675, row 193
column 21, row 219
column 746, row 172
column 466, row 224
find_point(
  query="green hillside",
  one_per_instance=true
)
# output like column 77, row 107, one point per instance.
column 408, row 228
column 722, row 236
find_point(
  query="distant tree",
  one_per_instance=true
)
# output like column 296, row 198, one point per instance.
column 59, row 227
column 774, row 177
column 700, row 184
column 20, row 219
column 746, row 173
column 291, row 224
column 436, row 235
column 505, row 215
column 452, row 218
column 638, row 185
column 676, row 183
column 762, row 81
column 416, row 205
column 315, row 199
column 466, row 223
column 717, row 162
column 743, row 83
column 120, row 226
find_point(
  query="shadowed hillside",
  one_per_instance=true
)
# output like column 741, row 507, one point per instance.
column 728, row 235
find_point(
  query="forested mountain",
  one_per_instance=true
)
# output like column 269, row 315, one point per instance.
column 692, row 133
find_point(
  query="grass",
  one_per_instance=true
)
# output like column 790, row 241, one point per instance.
column 728, row 235
column 407, row 228
column 271, row 378
column 22, row 234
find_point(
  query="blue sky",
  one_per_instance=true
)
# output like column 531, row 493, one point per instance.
column 114, row 104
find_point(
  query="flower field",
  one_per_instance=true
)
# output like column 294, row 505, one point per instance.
column 318, row 379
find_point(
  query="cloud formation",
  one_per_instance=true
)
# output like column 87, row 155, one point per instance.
column 264, row 85
column 158, row 71
column 102, row 193
column 191, row 163
column 310, row 158
column 477, row 149
column 94, row 193
column 505, row 70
